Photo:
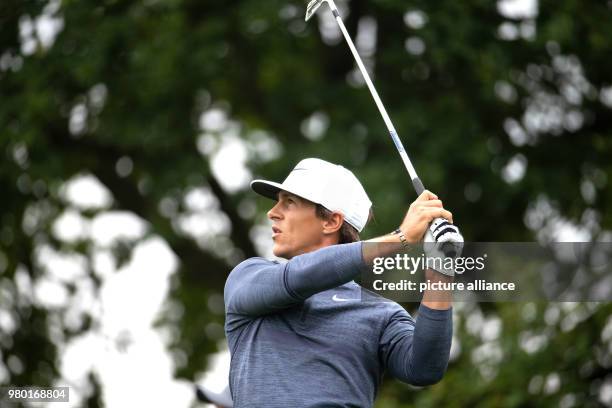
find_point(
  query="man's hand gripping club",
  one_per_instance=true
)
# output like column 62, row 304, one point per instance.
column 429, row 222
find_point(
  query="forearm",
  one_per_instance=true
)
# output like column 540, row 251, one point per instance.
column 257, row 286
column 431, row 345
column 437, row 299
column 417, row 352
column 385, row 245
column 389, row 245
column 324, row 269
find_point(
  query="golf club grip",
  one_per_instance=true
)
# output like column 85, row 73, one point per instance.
column 454, row 236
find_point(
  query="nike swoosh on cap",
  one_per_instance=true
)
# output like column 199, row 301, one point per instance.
column 338, row 299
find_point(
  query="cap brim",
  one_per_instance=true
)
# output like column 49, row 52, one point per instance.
column 266, row 188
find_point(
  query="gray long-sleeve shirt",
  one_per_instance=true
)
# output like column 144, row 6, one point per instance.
column 300, row 334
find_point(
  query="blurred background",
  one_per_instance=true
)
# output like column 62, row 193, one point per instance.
column 129, row 131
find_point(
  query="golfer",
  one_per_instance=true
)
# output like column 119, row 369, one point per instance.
column 298, row 332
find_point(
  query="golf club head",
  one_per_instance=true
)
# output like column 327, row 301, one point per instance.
column 312, row 8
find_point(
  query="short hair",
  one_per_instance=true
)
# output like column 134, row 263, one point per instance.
column 348, row 233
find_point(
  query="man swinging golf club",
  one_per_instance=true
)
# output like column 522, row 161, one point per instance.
column 298, row 332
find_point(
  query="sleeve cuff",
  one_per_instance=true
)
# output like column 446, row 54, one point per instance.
column 357, row 256
column 435, row 314
column 350, row 263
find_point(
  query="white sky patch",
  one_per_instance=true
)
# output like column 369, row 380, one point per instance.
column 86, row 192
column 605, row 96
column 228, row 148
column 330, row 32
column 205, row 226
column 77, row 123
column 103, row 263
column 127, row 376
column 111, row 226
column 26, row 35
column 7, row 322
column 11, row 60
column 213, row 120
column 205, row 222
column 518, row 9
column 531, row 343
column 545, row 220
column 554, row 113
column 515, row 131
column 207, row 144
column 263, row 146
column 64, row 267
column 145, row 278
column 261, row 236
column 508, row 31
column 487, row 358
column 491, row 329
column 124, row 166
column 474, row 323
column 20, row 155
column 314, row 127
column 24, row 285
column 49, row 293
column 552, row 384
column 455, row 350
column 515, row 170
column 505, row 91
column 289, row 11
column 216, row 378
column 567, row 231
column 605, row 392
column 200, row 199
column 97, row 97
column 78, row 358
column 415, row 19
column 4, row 374
column 415, row 45
column 365, row 42
column 528, row 30
column 228, row 164
column 606, row 333
column 133, row 378
column 71, row 226
column 124, row 351
column 47, row 29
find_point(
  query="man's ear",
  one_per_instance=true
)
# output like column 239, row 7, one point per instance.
column 333, row 223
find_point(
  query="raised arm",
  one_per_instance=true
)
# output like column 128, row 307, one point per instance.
column 257, row 286
column 417, row 353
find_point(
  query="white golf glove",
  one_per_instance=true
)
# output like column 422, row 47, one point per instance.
column 442, row 241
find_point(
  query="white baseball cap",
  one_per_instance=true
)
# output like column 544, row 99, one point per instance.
column 325, row 183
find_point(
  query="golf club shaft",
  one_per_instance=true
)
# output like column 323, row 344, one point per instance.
column 416, row 182
column 440, row 230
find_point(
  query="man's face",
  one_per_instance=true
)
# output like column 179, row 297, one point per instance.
column 295, row 227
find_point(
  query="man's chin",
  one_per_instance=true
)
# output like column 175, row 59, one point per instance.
column 277, row 252
column 280, row 253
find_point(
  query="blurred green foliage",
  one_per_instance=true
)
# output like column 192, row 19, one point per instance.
column 132, row 79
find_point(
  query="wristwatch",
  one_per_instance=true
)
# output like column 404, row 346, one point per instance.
column 402, row 237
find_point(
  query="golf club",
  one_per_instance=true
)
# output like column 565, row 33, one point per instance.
column 443, row 232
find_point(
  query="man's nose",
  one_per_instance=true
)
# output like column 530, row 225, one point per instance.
column 274, row 213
